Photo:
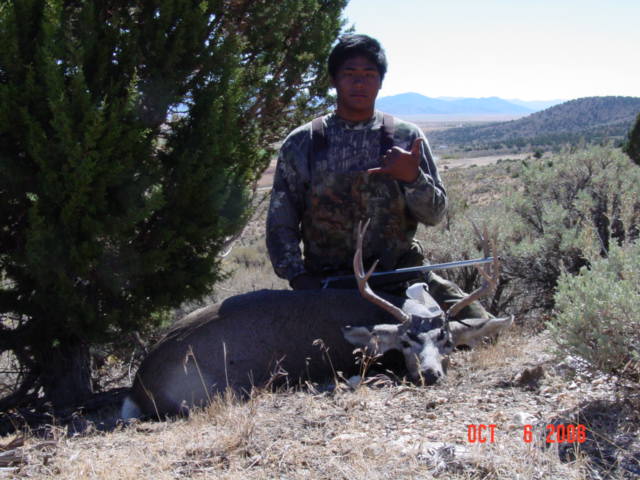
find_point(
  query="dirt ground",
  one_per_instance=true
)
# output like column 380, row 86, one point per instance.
column 374, row 430
column 466, row 162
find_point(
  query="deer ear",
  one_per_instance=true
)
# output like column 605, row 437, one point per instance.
column 358, row 336
column 377, row 339
column 496, row 325
column 473, row 330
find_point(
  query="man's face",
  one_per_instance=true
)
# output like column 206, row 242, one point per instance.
column 357, row 83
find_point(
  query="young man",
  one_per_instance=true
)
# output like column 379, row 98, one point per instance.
column 350, row 166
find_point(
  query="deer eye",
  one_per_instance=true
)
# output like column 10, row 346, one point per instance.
column 405, row 344
column 413, row 336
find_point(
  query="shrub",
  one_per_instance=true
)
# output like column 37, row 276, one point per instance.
column 597, row 313
column 567, row 211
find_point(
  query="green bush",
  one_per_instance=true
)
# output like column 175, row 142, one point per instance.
column 598, row 318
column 564, row 212
column 559, row 213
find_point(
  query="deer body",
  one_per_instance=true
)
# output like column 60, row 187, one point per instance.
column 242, row 341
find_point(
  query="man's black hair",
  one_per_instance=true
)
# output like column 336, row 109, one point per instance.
column 354, row 45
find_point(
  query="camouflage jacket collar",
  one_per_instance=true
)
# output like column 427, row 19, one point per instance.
column 373, row 123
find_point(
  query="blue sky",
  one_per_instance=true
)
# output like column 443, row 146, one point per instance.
column 526, row 49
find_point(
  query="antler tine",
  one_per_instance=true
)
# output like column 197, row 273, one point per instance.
column 489, row 247
column 363, row 278
column 490, row 274
column 482, row 236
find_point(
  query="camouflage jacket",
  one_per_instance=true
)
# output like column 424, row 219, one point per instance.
column 319, row 197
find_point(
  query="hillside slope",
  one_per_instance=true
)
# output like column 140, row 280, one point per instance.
column 592, row 118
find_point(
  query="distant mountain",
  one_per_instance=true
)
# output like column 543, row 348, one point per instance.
column 592, row 118
column 536, row 105
column 417, row 104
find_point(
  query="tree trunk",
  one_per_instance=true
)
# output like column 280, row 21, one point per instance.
column 66, row 374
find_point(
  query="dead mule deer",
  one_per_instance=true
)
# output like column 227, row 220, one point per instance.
column 242, row 341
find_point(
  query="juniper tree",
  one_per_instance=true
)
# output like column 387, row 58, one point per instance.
column 130, row 134
column 632, row 147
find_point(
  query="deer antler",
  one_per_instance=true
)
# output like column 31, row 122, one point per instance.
column 490, row 274
column 362, row 279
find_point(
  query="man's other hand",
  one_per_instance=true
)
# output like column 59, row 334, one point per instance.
column 401, row 164
column 305, row 282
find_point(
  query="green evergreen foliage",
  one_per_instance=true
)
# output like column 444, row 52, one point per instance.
column 632, row 147
column 597, row 313
column 569, row 210
column 130, row 133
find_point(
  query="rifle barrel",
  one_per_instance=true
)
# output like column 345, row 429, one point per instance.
column 437, row 266
column 422, row 268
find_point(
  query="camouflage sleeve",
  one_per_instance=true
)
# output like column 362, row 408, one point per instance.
column 285, row 211
column 426, row 197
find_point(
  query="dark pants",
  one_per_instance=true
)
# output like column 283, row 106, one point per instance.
column 445, row 292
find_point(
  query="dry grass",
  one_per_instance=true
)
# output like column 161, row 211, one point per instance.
column 377, row 431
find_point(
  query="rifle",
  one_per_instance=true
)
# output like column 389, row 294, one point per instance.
column 380, row 279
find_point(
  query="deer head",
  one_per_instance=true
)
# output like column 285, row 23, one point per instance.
column 423, row 335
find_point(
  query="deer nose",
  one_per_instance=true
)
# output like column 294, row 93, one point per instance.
column 431, row 376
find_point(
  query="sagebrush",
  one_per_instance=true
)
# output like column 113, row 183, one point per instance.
column 598, row 318
column 568, row 209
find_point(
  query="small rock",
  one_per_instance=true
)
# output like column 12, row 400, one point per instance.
column 523, row 418
column 431, row 405
column 529, row 378
column 548, row 390
column 564, row 369
column 499, row 417
column 442, row 457
column 349, row 437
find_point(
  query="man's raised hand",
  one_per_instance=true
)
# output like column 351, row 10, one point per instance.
column 401, row 164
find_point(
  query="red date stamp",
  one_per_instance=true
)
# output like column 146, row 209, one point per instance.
column 481, row 433
column 555, row 433
column 559, row 433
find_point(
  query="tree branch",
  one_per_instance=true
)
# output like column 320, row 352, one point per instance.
column 20, row 396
